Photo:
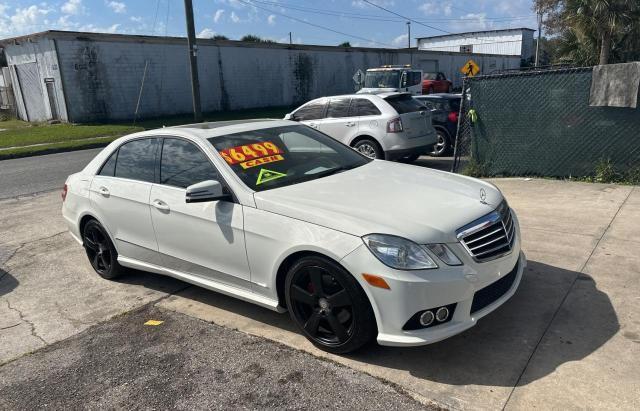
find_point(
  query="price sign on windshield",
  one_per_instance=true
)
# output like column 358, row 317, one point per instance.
column 247, row 153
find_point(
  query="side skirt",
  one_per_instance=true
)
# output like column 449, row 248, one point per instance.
column 204, row 283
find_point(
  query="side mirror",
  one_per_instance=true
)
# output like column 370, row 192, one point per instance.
column 209, row 190
column 287, row 116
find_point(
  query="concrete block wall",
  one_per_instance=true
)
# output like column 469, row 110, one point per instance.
column 103, row 74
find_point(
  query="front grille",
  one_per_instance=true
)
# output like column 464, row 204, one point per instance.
column 492, row 292
column 491, row 236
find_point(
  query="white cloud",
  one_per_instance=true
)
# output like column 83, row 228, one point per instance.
column 383, row 3
column 72, row 7
column 117, row 6
column 472, row 22
column 400, row 41
column 271, row 19
column 207, row 33
column 234, row 17
column 136, row 19
column 97, row 29
column 28, row 19
column 432, row 7
column 218, row 15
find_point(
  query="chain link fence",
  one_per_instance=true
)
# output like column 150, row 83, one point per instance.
column 539, row 123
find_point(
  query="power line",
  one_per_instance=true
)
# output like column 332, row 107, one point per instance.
column 482, row 41
column 374, row 17
column 313, row 24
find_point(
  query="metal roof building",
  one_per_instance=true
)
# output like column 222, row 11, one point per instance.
column 507, row 42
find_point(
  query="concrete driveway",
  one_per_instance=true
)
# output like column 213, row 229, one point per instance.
column 569, row 338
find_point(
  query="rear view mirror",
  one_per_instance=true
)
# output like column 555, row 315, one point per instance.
column 209, row 190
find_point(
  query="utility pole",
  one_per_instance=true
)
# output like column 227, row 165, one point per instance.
column 409, row 42
column 539, row 35
column 193, row 61
column 290, row 40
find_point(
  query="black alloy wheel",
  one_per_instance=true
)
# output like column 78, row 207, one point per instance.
column 328, row 305
column 100, row 251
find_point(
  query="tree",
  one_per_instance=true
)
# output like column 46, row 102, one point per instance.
column 593, row 31
column 255, row 39
column 220, row 37
column 345, row 44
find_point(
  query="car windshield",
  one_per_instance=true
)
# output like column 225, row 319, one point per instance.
column 382, row 79
column 430, row 76
column 281, row 156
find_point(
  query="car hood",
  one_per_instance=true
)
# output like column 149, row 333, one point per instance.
column 417, row 203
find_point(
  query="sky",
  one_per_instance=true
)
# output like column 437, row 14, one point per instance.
column 326, row 22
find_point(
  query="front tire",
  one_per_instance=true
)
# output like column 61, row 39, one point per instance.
column 369, row 148
column 100, row 250
column 329, row 306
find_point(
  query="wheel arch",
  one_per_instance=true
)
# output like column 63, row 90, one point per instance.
column 288, row 261
column 361, row 137
column 85, row 218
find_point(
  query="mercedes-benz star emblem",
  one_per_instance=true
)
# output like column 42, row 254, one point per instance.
column 483, row 196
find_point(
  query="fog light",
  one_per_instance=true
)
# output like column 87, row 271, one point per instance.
column 426, row 318
column 442, row 314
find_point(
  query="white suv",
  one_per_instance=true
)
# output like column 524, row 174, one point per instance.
column 391, row 126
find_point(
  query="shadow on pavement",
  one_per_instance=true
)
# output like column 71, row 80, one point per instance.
column 7, row 282
column 495, row 351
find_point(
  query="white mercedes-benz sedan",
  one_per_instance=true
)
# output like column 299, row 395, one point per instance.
column 279, row 214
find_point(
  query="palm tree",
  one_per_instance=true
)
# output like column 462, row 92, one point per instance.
column 604, row 18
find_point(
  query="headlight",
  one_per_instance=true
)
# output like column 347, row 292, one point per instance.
column 398, row 252
column 444, row 253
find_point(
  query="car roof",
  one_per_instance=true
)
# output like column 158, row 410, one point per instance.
column 212, row 129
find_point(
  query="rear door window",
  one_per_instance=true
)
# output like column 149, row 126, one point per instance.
column 363, row 107
column 338, row 107
column 137, row 160
column 109, row 167
column 404, row 104
column 312, row 111
column 183, row 164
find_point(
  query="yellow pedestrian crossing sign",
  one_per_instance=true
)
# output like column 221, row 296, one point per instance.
column 470, row 68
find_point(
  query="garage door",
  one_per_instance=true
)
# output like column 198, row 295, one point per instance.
column 29, row 80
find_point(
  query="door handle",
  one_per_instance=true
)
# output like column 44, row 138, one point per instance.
column 103, row 190
column 160, row 205
column 350, row 124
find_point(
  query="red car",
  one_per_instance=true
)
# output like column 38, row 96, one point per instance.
column 435, row 83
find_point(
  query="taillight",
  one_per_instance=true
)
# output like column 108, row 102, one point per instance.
column 64, row 192
column 453, row 117
column 394, row 125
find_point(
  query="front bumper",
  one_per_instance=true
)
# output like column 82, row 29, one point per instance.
column 414, row 291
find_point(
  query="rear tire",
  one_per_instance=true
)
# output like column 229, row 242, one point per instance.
column 329, row 306
column 369, row 148
column 442, row 146
column 101, row 252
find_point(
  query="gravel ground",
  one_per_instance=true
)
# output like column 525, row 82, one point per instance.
column 184, row 363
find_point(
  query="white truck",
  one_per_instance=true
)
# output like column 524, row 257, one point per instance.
column 392, row 78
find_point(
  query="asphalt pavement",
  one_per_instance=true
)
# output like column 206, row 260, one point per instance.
column 185, row 363
column 30, row 175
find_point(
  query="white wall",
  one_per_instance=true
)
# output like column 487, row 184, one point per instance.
column 503, row 43
column 42, row 52
column 102, row 74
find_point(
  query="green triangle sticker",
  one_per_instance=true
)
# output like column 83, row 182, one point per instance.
column 268, row 175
